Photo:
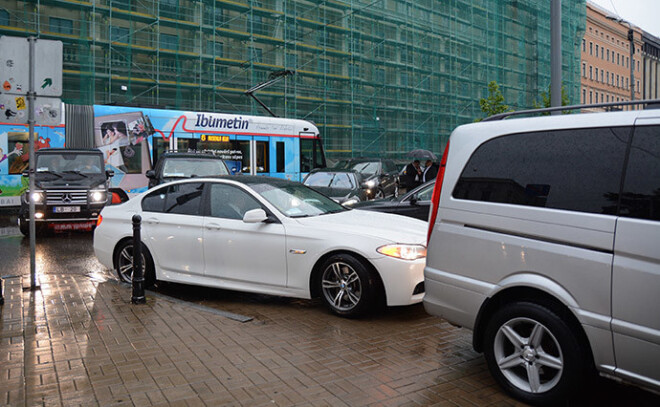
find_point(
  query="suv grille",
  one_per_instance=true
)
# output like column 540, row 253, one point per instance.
column 54, row 197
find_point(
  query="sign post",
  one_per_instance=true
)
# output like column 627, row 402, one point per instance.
column 42, row 77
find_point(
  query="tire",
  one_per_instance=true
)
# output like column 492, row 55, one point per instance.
column 347, row 286
column 533, row 354
column 124, row 264
column 379, row 193
column 24, row 226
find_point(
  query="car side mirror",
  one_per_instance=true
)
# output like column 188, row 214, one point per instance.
column 109, row 173
column 151, row 174
column 255, row 216
column 414, row 199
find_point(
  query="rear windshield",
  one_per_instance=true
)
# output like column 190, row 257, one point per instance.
column 189, row 167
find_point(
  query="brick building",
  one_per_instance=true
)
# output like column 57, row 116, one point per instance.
column 605, row 69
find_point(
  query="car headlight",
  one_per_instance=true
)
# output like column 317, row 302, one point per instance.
column 97, row 196
column 351, row 201
column 37, row 196
column 370, row 184
column 403, row 251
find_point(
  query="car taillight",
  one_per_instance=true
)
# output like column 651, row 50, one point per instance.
column 435, row 198
column 99, row 220
column 116, row 199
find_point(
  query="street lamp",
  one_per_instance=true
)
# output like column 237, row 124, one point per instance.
column 631, row 38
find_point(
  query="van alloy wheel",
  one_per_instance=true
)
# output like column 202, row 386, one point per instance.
column 528, row 355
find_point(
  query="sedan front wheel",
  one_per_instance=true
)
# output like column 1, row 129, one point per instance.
column 347, row 286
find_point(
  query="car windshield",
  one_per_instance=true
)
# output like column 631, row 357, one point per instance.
column 70, row 163
column 366, row 168
column 296, row 200
column 189, row 167
column 331, row 179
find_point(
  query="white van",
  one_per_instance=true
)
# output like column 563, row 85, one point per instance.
column 544, row 239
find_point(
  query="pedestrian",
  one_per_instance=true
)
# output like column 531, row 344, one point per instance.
column 412, row 175
column 430, row 171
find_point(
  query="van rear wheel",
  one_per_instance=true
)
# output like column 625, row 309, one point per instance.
column 533, row 354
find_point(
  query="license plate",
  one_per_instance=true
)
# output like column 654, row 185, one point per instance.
column 66, row 209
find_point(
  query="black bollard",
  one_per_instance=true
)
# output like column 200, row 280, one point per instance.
column 138, row 275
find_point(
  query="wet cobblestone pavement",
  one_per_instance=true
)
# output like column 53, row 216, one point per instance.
column 78, row 341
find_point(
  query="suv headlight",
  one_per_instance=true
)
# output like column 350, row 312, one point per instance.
column 37, row 196
column 403, row 251
column 370, row 184
column 97, row 196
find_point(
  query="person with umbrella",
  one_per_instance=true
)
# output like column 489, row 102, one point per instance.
column 412, row 175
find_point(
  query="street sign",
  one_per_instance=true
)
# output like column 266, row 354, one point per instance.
column 13, row 108
column 48, row 68
column 14, row 65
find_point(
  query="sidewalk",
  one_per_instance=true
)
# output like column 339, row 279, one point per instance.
column 78, row 341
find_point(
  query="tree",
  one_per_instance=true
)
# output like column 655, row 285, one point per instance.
column 494, row 103
column 547, row 102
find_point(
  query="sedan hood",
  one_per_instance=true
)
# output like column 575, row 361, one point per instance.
column 335, row 193
column 388, row 227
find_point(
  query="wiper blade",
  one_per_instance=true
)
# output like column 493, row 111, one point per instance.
column 75, row 172
column 300, row 216
column 50, row 173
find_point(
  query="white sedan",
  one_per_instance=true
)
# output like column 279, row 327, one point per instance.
column 269, row 236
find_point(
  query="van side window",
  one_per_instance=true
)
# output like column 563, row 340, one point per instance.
column 577, row 170
column 641, row 190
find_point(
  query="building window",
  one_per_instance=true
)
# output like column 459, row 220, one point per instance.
column 618, row 58
column 591, row 48
column 257, row 25
column 596, row 50
column 169, row 41
column 119, row 34
column 596, row 97
column 617, row 81
column 4, row 17
column 404, row 79
column 608, row 55
column 255, row 54
column 596, row 74
column 60, row 25
column 584, row 45
column 591, row 97
column 584, row 69
column 291, row 60
column 324, row 65
column 323, row 38
column 601, row 75
column 591, row 71
column 584, row 96
column 215, row 48
column 379, row 75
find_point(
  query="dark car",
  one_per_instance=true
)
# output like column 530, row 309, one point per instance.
column 415, row 203
column 71, row 188
column 176, row 165
column 343, row 186
column 380, row 177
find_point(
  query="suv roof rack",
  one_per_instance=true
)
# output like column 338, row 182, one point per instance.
column 651, row 103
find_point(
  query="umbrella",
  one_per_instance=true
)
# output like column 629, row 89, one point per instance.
column 422, row 154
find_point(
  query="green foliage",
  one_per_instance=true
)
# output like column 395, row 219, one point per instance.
column 547, row 102
column 494, row 103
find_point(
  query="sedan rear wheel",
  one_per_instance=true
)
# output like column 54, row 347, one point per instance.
column 347, row 286
column 124, row 264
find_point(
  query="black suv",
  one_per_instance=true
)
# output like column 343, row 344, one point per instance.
column 380, row 177
column 71, row 188
column 174, row 165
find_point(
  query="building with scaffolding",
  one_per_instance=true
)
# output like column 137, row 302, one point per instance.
column 376, row 76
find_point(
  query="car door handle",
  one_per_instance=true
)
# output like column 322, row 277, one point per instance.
column 213, row 226
column 152, row 221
